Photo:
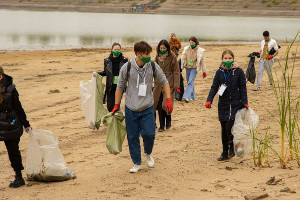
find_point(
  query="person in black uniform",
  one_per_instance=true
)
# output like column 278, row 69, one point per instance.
column 112, row 66
column 12, row 120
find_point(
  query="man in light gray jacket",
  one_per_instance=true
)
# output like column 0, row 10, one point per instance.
column 138, row 76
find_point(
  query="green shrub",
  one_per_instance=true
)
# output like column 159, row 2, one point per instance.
column 162, row 1
column 246, row 5
column 276, row 2
column 269, row 5
column 294, row 1
column 263, row 1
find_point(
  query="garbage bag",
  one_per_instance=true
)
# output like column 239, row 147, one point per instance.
column 250, row 73
column 45, row 161
column 116, row 131
column 92, row 93
column 178, row 96
column 245, row 122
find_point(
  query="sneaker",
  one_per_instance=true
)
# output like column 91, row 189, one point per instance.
column 149, row 160
column 135, row 168
column 18, row 182
column 223, row 157
column 161, row 129
column 270, row 87
column 186, row 100
column 256, row 88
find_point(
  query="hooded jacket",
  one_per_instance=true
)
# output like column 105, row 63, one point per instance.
column 12, row 115
column 235, row 95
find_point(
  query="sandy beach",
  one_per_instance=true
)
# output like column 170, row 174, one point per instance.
column 185, row 155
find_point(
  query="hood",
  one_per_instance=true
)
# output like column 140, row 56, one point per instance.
column 6, row 80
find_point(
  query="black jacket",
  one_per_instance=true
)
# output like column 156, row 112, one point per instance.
column 235, row 95
column 108, row 70
column 12, row 115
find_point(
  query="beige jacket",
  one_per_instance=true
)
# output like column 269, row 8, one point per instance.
column 196, row 55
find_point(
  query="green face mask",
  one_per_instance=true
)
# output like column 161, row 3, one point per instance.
column 228, row 63
column 116, row 53
column 193, row 46
column 145, row 60
column 163, row 51
column 267, row 40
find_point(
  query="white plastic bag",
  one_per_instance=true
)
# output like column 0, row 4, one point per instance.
column 45, row 161
column 88, row 101
column 245, row 121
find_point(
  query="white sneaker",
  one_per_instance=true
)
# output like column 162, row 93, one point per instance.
column 256, row 88
column 149, row 160
column 270, row 87
column 135, row 168
column 186, row 100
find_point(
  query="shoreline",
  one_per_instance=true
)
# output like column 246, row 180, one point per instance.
column 162, row 11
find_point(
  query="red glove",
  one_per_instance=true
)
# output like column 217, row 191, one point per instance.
column 116, row 108
column 177, row 89
column 246, row 106
column 208, row 104
column 270, row 57
column 204, row 74
column 169, row 105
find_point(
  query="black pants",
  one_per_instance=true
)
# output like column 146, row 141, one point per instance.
column 110, row 103
column 227, row 137
column 163, row 117
column 14, row 154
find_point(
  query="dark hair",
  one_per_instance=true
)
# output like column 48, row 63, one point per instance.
column 142, row 47
column 1, row 95
column 266, row 33
column 115, row 44
column 165, row 43
column 194, row 39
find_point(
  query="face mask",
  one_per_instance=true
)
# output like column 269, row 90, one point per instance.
column 116, row 53
column 267, row 40
column 193, row 45
column 228, row 63
column 163, row 51
column 145, row 60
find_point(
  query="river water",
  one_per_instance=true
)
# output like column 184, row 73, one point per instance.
column 34, row 30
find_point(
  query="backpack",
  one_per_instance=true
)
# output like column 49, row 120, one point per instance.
column 129, row 67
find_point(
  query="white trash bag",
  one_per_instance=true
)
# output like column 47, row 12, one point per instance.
column 88, row 101
column 45, row 161
column 245, row 121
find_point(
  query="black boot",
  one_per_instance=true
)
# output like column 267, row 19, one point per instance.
column 18, row 182
column 161, row 129
column 168, row 121
column 231, row 150
column 224, row 156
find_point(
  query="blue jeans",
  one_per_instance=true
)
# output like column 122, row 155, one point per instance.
column 189, row 92
column 140, row 123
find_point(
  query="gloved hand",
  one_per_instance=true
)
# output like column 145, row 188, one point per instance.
column 116, row 108
column 169, row 105
column 204, row 74
column 28, row 129
column 208, row 104
column 270, row 57
column 246, row 106
column 177, row 89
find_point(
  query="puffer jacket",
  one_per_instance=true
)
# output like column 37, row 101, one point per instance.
column 12, row 115
column 235, row 95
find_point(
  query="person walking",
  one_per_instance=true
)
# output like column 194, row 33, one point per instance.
column 175, row 44
column 112, row 66
column 230, row 83
column 137, row 77
column 169, row 65
column 12, row 120
column 268, row 52
column 192, row 60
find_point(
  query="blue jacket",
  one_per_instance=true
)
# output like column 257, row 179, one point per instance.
column 235, row 95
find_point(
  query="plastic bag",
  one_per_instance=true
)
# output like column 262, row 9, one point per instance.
column 45, row 161
column 115, row 133
column 245, row 121
column 92, row 93
column 250, row 73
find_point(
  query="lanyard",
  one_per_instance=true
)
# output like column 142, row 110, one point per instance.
column 142, row 77
column 226, row 77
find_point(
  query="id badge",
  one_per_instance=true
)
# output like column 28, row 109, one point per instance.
column 222, row 89
column 191, row 62
column 142, row 90
column 115, row 79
